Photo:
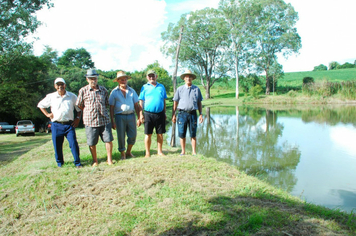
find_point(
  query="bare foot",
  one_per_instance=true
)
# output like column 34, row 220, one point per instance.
column 123, row 157
column 161, row 154
column 110, row 163
column 148, row 156
column 95, row 164
column 129, row 154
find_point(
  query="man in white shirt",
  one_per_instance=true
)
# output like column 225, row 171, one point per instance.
column 62, row 104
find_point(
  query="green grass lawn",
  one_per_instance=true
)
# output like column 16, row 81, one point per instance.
column 172, row 195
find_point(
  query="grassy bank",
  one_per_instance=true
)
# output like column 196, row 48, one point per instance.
column 172, row 195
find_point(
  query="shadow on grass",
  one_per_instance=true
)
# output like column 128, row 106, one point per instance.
column 268, row 215
column 14, row 146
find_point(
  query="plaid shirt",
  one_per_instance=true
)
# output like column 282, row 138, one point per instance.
column 94, row 103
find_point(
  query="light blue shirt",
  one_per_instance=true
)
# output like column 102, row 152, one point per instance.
column 153, row 97
column 188, row 97
column 123, row 105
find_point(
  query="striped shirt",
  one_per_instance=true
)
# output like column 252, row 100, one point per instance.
column 94, row 103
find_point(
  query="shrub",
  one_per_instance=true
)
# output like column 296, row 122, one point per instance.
column 292, row 93
column 256, row 90
column 246, row 83
column 307, row 80
column 320, row 67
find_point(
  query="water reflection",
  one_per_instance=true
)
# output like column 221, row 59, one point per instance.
column 303, row 151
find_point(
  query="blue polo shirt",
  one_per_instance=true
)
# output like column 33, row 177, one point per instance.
column 153, row 97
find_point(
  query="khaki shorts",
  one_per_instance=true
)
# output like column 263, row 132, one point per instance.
column 93, row 134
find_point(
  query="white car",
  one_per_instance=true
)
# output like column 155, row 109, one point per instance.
column 24, row 127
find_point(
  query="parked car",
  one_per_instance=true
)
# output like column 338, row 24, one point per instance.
column 6, row 128
column 48, row 127
column 24, row 127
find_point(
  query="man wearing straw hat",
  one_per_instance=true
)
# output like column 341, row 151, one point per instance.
column 187, row 100
column 152, row 101
column 93, row 100
column 123, row 102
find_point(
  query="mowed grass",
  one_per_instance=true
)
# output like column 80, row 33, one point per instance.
column 171, row 195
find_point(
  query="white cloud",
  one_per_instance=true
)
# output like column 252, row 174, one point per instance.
column 343, row 138
column 127, row 34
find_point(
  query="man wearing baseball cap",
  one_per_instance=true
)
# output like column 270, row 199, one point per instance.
column 152, row 101
column 62, row 104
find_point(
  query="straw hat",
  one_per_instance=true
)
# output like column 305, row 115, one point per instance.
column 121, row 74
column 187, row 72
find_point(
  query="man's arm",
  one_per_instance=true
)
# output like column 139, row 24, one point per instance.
column 200, row 108
column 175, row 105
column 142, row 119
column 49, row 115
column 138, row 113
column 113, row 124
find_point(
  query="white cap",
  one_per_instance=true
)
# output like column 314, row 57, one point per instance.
column 59, row 80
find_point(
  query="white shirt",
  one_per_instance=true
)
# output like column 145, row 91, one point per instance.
column 62, row 108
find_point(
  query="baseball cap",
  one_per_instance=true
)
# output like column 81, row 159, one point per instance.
column 151, row 72
column 59, row 80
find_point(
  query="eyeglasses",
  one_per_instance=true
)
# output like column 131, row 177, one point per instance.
column 152, row 75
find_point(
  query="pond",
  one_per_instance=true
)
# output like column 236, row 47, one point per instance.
column 309, row 152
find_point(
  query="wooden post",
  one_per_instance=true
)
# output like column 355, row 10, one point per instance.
column 173, row 136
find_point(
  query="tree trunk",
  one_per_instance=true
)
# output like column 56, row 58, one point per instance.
column 267, row 84
column 237, row 78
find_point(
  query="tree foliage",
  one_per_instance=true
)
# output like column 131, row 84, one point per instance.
column 274, row 31
column 79, row 58
column 203, row 47
column 320, row 67
column 17, row 20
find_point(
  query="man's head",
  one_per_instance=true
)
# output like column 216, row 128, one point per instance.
column 92, row 78
column 122, row 78
column 152, row 77
column 188, row 77
column 60, row 85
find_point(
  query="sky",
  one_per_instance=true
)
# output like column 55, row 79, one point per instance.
column 126, row 35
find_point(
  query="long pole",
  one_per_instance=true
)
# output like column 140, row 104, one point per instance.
column 173, row 137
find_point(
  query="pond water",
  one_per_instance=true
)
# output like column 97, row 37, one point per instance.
column 309, row 152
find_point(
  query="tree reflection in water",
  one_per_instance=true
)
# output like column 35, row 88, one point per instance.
column 250, row 144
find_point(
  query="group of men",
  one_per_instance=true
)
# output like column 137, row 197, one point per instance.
column 123, row 102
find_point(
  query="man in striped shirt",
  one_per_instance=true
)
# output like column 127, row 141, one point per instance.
column 93, row 100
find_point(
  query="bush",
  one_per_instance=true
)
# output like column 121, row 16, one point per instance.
column 292, row 93
column 246, row 83
column 346, row 66
column 256, row 90
column 307, row 80
column 320, row 67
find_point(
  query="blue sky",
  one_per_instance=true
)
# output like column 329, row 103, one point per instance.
column 127, row 34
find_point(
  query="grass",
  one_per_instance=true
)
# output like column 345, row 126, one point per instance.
column 172, row 195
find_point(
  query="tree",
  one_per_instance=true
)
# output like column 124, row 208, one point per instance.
column 274, row 31
column 333, row 65
column 320, row 67
column 79, row 57
column 276, row 73
column 17, row 21
column 240, row 41
column 204, row 45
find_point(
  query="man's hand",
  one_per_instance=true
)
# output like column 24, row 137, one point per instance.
column 201, row 119
column 75, row 122
column 174, row 119
column 113, row 125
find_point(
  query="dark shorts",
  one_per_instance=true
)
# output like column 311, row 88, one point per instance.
column 187, row 120
column 93, row 134
column 155, row 120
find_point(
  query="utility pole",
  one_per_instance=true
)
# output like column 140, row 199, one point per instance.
column 173, row 136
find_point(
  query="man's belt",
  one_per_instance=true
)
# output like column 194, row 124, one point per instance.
column 64, row 122
column 190, row 112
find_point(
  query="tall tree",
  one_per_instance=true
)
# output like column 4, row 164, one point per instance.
column 274, row 32
column 17, row 20
column 79, row 58
column 204, row 45
column 241, row 42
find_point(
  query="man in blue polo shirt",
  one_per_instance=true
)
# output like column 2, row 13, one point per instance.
column 187, row 100
column 152, row 101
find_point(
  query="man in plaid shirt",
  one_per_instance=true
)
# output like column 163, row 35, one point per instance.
column 93, row 100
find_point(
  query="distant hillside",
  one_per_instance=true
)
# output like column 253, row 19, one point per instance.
column 295, row 79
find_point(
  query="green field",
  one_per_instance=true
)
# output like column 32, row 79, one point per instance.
column 295, row 79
